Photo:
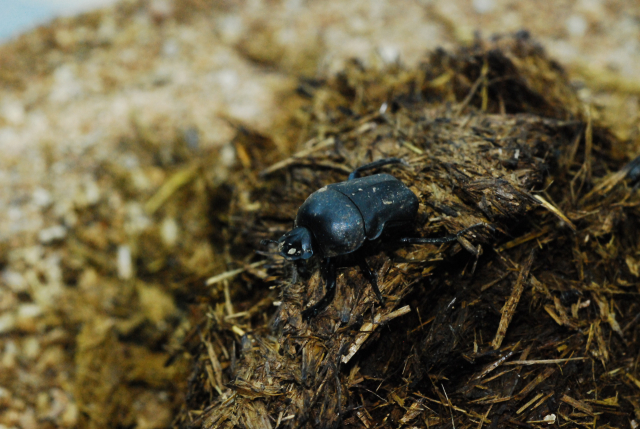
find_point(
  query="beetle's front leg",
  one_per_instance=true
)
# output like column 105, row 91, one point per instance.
column 328, row 271
column 371, row 277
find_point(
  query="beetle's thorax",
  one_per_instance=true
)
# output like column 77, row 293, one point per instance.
column 333, row 219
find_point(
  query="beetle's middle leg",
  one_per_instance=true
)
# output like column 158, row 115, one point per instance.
column 371, row 277
column 329, row 275
column 441, row 240
column 375, row 164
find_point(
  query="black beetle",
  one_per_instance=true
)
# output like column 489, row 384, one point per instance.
column 338, row 219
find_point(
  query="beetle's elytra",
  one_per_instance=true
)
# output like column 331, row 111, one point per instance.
column 340, row 218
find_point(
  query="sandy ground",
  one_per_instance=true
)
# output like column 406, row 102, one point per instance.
column 76, row 98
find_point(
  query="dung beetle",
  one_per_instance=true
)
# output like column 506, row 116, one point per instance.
column 340, row 218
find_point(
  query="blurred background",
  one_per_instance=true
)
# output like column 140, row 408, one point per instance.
column 117, row 125
column 20, row 16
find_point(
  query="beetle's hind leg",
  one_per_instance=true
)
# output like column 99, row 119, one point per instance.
column 371, row 277
column 328, row 270
column 441, row 240
column 375, row 164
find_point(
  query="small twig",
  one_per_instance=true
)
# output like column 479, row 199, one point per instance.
column 509, row 308
column 362, row 126
column 585, row 408
column 229, row 274
column 482, row 420
column 543, row 361
column 471, row 93
column 453, row 423
column 286, row 162
column 556, row 211
column 486, row 370
column 227, row 298
column 634, row 380
column 368, row 328
column 169, row 187
column 530, row 403
column 548, row 372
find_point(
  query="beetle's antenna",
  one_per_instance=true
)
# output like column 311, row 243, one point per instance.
column 268, row 254
column 265, row 242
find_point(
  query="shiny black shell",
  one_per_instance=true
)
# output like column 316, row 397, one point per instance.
column 341, row 216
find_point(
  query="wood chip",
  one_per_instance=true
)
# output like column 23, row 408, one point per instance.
column 534, row 383
column 585, row 408
column 367, row 329
column 509, row 308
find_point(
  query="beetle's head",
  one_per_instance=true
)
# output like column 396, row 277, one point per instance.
column 296, row 244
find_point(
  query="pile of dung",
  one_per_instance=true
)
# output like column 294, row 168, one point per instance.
column 529, row 322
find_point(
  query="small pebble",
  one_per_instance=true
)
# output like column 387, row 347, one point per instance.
column 28, row 419
column 170, row 48
column 228, row 155
column 7, row 322
column 29, row 310
column 137, row 219
column 25, row 320
column 230, row 28
column 33, row 254
column 51, row 234
column 576, row 25
column 192, row 137
column 483, row 6
column 169, row 231
column 31, row 347
column 125, row 263
column 389, row 54
column 41, row 197
column 91, row 192
column 66, row 86
column 13, row 111
column 161, row 9
column 9, row 354
column 5, row 395
column 14, row 280
column 595, row 7
column 70, row 415
column 108, row 30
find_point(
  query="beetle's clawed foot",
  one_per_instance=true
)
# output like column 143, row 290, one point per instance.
column 310, row 313
column 477, row 225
